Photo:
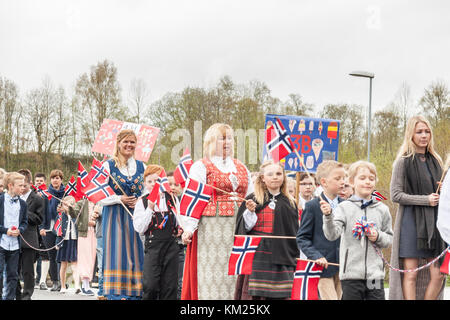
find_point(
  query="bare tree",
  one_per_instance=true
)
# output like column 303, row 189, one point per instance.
column 436, row 101
column 139, row 95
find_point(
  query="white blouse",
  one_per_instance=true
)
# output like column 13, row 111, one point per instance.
column 198, row 172
column 142, row 217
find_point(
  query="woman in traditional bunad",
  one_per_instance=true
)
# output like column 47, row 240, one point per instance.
column 123, row 253
column 415, row 176
column 270, row 211
column 210, row 238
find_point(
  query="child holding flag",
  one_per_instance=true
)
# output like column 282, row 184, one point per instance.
column 269, row 211
column 360, row 220
column 155, row 217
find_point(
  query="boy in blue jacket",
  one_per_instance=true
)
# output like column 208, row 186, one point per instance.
column 13, row 222
column 310, row 237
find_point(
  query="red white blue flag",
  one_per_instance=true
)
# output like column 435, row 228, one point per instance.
column 71, row 188
column 278, row 141
column 97, row 172
column 58, row 224
column 195, row 198
column 98, row 189
column 242, row 254
column 181, row 173
column 42, row 191
column 306, row 280
column 445, row 267
column 161, row 185
column 378, row 196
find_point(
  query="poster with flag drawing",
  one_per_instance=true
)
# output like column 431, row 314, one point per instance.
column 315, row 139
column 106, row 138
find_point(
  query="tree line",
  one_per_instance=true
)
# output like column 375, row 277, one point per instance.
column 46, row 127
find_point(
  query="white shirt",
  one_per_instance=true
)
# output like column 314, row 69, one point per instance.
column 142, row 217
column 198, row 172
column 443, row 219
column 129, row 170
column 25, row 196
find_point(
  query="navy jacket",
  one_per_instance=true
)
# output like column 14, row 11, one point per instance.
column 311, row 239
column 23, row 218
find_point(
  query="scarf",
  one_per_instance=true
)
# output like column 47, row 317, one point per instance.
column 424, row 182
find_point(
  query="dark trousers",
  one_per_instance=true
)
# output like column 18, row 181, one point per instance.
column 49, row 242
column 28, row 256
column 181, row 258
column 362, row 290
column 9, row 261
column 160, row 276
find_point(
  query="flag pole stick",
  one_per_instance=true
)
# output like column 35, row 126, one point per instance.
column 302, row 163
column 264, row 236
column 229, row 193
column 330, row 263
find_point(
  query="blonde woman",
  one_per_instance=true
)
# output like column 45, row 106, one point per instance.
column 416, row 172
column 271, row 210
column 211, row 237
column 123, row 253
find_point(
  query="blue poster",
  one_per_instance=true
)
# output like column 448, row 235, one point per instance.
column 315, row 140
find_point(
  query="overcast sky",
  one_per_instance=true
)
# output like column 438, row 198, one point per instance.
column 298, row 46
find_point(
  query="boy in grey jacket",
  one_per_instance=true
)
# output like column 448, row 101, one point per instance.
column 361, row 270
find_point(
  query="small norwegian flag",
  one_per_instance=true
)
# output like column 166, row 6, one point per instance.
column 378, row 196
column 445, row 267
column 181, row 173
column 242, row 254
column 42, row 191
column 58, row 224
column 278, row 142
column 195, row 198
column 71, row 188
column 306, row 280
column 161, row 185
column 96, row 172
column 82, row 178
column 98, row 189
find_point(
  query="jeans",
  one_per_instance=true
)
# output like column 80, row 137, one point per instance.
column 100, row 266
column 9, row 262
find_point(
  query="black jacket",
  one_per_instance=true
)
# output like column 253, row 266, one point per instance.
column 311, row 239
column 36, row 213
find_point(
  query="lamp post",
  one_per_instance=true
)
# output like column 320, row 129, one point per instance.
column 369, row 75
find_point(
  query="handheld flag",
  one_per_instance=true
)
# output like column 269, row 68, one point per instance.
column 42, row 191
column 378, row 196
column 71, row 188
column 181, row 173
column 57, row 227
column 195, row 198
column 445, row 265
column 306, row 280
column 242, row 254
column 82, row 178
column 278, row 142
column 96, row 172
column 98, row 189
column 161, row 185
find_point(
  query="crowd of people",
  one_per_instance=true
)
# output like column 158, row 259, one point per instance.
column 142, row 249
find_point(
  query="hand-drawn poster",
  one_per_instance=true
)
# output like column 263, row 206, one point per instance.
column 106, row 138
column 315, row 140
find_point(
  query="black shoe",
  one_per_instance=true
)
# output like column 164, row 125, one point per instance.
column 56, row 286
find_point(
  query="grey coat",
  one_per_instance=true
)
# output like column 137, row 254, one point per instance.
column 357, row 258
column 399, row 196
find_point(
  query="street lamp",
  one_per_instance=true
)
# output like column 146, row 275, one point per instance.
column 369, row 75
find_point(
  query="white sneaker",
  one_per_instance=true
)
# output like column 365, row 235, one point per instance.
column 63, row 290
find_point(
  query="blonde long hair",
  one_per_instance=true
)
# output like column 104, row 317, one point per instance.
column 119, row 160
column 261, row 192
column 211, row 135
column 408, row 148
